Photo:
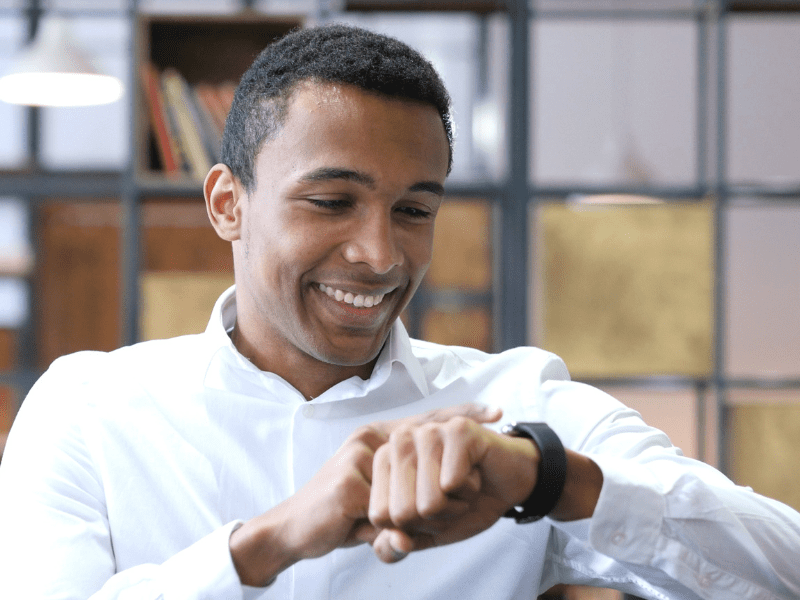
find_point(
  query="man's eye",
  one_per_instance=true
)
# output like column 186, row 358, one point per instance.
column 328, row 204
column 415, row 213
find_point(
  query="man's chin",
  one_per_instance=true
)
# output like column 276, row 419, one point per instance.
column 352, row 355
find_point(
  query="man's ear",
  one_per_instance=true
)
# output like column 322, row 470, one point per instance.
column 224, row 198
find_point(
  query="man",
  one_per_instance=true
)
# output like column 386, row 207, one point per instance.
column 303, row 434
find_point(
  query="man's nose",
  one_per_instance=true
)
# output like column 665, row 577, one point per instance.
column 373, row 242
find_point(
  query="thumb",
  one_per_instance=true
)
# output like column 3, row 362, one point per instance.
column 392, row 545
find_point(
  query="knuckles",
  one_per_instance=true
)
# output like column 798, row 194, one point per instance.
column 455, row 427
column 402, row 441
column 379, row 515
column 405, row 443
column 460, row 426
column 404, row 516
column 429, row 508
column 369, row 435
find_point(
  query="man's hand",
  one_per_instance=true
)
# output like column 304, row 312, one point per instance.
column 441, row 482
column 331, row 510
column 437, row 483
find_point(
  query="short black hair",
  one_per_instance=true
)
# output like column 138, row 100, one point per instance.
column 327, row 54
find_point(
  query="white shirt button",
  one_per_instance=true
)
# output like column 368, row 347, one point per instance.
column 618, row 538
column 309, row 410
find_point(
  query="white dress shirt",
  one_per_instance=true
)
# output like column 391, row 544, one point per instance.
column 126, row 472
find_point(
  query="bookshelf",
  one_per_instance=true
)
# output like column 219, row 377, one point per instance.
column 98, row 233
column 210, row 51
column 201, row 52
column 97, row 247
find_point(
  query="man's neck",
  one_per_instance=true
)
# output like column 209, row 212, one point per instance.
column 308, row 375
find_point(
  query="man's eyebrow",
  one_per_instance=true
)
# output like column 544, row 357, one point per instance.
column 428, row 186
column 330, row 173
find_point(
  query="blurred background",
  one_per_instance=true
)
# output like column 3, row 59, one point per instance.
column 625, row 193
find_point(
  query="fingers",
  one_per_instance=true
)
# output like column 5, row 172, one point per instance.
column 392, row 500
column 373, row 436
column 477, row 412
column 408, row 489
column 403, row 454
column 381, row 490
column 430, row 498
column 392, row 545
column 364, row 532
column 389, row 476
column 423, row 475
column 463, row 449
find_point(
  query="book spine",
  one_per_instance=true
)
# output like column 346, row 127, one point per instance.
column 212, row 136
column 158, row 120
column 177, row 94
column 210, row 97
column 176, row 139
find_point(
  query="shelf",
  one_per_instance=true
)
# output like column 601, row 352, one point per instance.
column 765, row 6
column 474, row 6
column 39, row 184
column 150, row 184
column 212, row 50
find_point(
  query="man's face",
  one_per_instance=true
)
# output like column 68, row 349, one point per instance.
column 337, row 233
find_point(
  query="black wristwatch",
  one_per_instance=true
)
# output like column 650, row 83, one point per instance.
column 552, row 471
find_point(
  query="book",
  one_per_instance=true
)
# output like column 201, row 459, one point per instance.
column 188, row 129
column 176, row 139
column 209, row 129
column 187, row 121
column 159, row 123
column 208, row 96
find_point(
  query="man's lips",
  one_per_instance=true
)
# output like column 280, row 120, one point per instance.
column 354, row 299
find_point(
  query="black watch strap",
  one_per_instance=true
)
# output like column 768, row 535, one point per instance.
column 552, row 471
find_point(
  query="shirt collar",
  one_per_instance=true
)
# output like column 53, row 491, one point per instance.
column 396, row 353
column 223, row 317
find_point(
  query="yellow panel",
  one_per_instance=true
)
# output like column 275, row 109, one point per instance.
column 764, row 450
column 462, row 251
column 469, row 327
column 179, row 303
column 627, row 290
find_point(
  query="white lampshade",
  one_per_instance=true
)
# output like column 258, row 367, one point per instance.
column 54, row 71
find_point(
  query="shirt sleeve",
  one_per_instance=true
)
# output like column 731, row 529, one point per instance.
column 668, row 518
column 56, row 540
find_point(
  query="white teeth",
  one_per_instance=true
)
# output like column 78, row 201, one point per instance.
column 350, row 298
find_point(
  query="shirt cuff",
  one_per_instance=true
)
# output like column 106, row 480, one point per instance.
column 626, row 524
column 208, row 565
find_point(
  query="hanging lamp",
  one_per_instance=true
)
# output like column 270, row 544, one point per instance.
column 53, row 70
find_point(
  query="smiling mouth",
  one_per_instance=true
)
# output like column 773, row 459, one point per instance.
column 358, row 300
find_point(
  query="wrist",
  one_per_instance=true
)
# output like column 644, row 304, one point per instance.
column 257, row 552
column 581, row 489
column 550, row 469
